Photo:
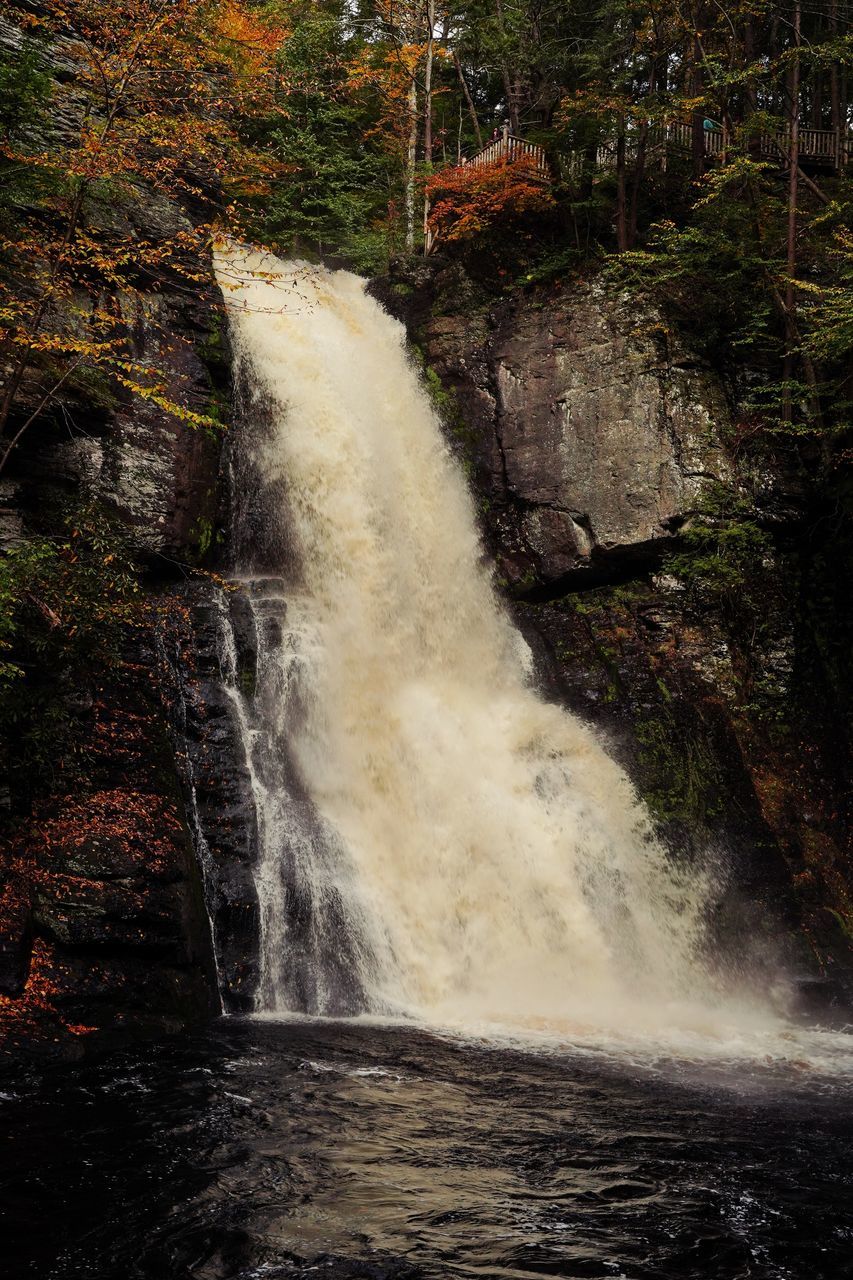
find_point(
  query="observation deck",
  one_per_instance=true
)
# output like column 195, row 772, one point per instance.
column 820, row 149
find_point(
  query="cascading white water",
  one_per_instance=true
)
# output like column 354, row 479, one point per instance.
column 484, row 858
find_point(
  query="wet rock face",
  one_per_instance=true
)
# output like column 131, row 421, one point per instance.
column 215, row 778
column 593, row 430
column 605, row 431
column 158, row 476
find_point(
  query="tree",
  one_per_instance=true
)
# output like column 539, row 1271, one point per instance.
column 793, row 171
column 159, row 91
column 474, row 201
column 337, row 175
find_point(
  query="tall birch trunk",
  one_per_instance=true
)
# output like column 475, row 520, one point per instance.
column 411, row 163
column 430, row 49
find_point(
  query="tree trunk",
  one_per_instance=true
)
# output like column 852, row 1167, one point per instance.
column 430, row 47
column 621, row 208
column 794, row 162
column 750, row 93
column 636, row 185
column 472, row 111
column 817, row 100
column 697, row 134
column 835, row 89
column 640, row 163
column 411, row 162
column 430, row 17
column 509, row 90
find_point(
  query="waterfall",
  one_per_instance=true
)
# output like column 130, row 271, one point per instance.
column 437, row 840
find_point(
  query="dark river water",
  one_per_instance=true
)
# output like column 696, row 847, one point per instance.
column 267, row 1150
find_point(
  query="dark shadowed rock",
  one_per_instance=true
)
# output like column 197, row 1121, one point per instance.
column 107, row 926
column 106, row 892
column 16, row 932
column 214, row 774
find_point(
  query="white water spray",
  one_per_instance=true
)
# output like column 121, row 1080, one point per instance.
column 481, row 859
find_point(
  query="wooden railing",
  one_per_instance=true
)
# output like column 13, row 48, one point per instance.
column 824, row 148
column 823, row 144
column 828, row 148
column 508, row 148
column 680, row 134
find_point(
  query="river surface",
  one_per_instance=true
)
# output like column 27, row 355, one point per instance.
column 266, row 1150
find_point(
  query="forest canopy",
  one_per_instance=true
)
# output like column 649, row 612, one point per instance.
column 705, row 145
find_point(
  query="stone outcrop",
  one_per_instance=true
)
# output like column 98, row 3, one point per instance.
column 593, row 429
column 159, row 476
column 606, row 431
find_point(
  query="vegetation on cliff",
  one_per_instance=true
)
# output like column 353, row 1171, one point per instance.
column 150, row 107
column 697, row 153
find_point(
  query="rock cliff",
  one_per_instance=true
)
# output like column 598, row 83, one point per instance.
column 102, row 909
column 596, row 429
column 102, row 919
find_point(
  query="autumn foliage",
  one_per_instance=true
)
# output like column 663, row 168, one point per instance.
column 471, row 201
column 155, row 102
